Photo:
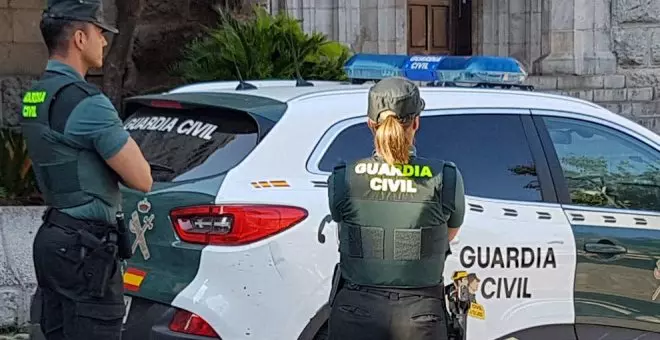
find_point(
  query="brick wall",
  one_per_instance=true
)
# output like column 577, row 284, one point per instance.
column 21, row 46
column 619, row 93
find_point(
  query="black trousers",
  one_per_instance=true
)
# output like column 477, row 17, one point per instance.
column 360, row 314
column 68, row 309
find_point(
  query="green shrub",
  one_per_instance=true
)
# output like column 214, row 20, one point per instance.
column 17, row 183
column 261, row 47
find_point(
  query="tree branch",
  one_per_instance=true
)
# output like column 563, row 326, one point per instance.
column 114, row 68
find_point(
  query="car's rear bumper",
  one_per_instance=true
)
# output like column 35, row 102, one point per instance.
column 146, row 320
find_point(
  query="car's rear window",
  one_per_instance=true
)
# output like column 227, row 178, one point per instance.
column 193, row 143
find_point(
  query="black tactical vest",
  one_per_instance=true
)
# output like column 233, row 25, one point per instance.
column 393, row 231
column 57, row 161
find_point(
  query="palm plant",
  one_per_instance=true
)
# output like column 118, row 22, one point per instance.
column 261, row 47
column 17, row 181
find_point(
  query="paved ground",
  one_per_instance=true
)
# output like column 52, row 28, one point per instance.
column 19, row 336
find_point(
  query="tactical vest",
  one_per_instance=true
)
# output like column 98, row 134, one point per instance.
column 57, row 160
column 393, row 231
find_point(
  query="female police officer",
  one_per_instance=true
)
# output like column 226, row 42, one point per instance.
column 396, row 213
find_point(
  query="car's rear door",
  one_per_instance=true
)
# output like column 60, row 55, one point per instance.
column 608, row 181
column 191, row 142
column 516, row 245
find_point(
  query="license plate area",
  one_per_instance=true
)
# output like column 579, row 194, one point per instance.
column 127, row 303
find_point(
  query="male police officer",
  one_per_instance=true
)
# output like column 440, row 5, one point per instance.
column 397, row 213
column 79, row 151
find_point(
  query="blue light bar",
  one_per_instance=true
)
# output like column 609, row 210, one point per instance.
column 374, row 66
column 485, row 69
column 423, row 67
column 437, row 68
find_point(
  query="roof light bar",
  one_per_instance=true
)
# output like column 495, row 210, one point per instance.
column 439, row 70
column 365, row 67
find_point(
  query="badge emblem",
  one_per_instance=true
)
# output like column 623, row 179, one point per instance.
column 140, row 228
column 144, row 206
column 466, row 287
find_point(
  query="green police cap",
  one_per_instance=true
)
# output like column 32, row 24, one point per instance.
column 79, row 10
column 395, row 94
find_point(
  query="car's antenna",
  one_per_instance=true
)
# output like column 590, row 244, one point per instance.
column 242, row 84
column 299, row 79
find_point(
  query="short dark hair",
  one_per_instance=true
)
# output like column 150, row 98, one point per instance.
column 57, row 32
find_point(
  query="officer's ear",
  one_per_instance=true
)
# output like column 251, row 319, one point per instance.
column 371, row 124
column 415, row 124
column 80, row 37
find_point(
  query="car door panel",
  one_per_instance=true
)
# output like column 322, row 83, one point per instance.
column 524, row 257
column 610, row 198
column 516, row 243
column 614, row 282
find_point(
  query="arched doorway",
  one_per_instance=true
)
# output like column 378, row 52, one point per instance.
column 440, row 27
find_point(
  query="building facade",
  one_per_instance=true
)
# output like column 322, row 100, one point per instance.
column 606, row 51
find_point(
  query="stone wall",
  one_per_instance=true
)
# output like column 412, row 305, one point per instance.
column 18, row 226
column 636, row 43
column 619, row 93
column 371, row 26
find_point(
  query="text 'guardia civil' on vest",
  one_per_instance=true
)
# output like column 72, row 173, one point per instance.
column 388, row 180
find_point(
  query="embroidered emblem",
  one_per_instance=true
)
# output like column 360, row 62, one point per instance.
column 140, row 228
column 144, row 206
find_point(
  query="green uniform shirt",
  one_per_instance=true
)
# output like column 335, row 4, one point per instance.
column 94, row 124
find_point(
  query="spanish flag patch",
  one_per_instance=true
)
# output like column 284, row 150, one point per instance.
column 133, row 279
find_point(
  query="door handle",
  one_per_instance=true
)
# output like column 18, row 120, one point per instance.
column 319, row 234
column 605, row 248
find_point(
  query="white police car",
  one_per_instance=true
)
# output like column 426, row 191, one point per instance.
column 561, row 239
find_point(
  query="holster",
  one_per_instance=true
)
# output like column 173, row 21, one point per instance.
column 124, row 249
column 99, row 262
column 337, row 284
column 99, row 248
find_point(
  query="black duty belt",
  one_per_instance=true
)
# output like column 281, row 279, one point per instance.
column 396, row 293
column 59, row 219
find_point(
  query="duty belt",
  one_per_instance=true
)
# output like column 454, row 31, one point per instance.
column 394, row 293
column 61, row 220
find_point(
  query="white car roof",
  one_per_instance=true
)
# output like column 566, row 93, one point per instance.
column 435, row 97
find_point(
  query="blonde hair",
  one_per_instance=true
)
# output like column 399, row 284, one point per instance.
column 392, row 139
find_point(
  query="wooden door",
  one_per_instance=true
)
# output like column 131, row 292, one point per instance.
column 430, row 24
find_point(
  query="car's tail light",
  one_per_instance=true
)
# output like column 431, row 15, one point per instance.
column 189, row 323
column 229, row 225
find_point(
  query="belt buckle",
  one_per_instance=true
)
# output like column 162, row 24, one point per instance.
column 394, row 296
